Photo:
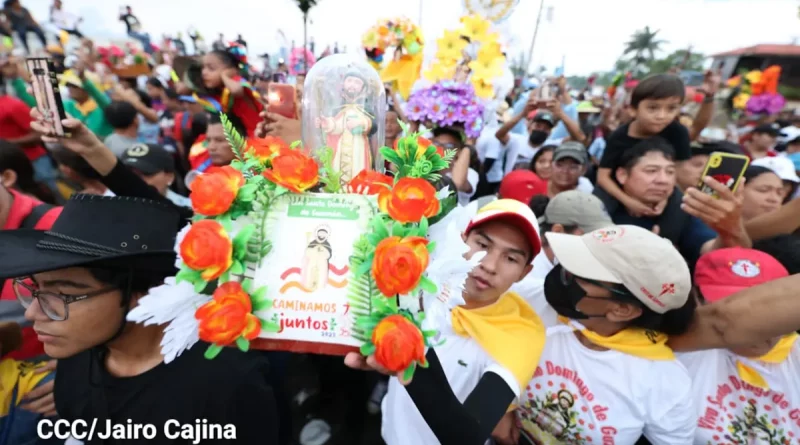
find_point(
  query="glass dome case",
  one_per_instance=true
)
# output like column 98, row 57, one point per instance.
column 344, row 107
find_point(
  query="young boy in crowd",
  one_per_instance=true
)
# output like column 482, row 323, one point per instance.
column 655, row 102
column 124, row 118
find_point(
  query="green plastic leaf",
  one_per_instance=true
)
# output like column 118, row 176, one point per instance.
column 391, row 156
column 225, row 277
column 270, row 326
column 294, row 144
column 225, row 222
column 237, row 268
column 247, row 284
column 241, row 240
column 247, row 193
column 431, row 246
column 379, row 228
column 186, row 274
column 280, row 190
column 409, row 372
column 243, row 344
column 367, row 349
column 237, row 164
column 200, row 286
column 259, row 294
column 423, row 365
column 198, row 217
column 422, row 230
column 398, row 230
column 212, row 351
column 363, row 268
column 427, row 285
column 262, row 304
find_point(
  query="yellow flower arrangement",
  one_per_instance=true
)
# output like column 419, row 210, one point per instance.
column 483, row 88
column 443, row 69
column 475, row 27
column 753, row 77
column 740, row 101
column 449, row 47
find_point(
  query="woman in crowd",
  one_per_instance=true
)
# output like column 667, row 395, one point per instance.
column 747, row 394
column 763, row 192
column 607, row 372
column 542, row 162
column 16, row 172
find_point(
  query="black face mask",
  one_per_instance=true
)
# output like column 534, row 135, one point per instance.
column 538, row 137
column 563, row 295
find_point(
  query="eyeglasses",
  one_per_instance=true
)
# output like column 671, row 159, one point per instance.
column 444, row 146
column 54, row 305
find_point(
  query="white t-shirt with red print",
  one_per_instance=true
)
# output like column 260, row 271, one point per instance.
column 587, row 397
column 730, row 411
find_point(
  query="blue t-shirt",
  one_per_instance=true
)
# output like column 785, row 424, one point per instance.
column 148, row 131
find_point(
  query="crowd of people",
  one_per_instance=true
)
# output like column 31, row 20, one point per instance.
column 623, row 297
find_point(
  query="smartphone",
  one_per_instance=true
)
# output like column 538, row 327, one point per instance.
column 281, row 99
column 545, row 92
column 727, row 168
column 48, row 96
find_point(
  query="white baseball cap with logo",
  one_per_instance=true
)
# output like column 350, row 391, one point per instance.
column 649, row 266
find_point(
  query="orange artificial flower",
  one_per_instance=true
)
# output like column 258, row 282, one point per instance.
column 370, row 182
column 398, row 343
column 264, row 149
column 294, row 170
column 770, row 78
column 227, row 316
column 399, row 263
column 213, row 193
column 410, row 200
column 422, row 146
column 207, row 248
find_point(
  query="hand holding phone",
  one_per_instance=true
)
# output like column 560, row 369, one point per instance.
column 726, row 168
column 281, row 99
column 44, row 81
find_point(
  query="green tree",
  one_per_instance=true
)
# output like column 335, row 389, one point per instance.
column 682, row 59
column 642, row 48
column 305, row 6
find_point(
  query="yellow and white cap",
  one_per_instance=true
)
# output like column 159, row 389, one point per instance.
column 649, row 266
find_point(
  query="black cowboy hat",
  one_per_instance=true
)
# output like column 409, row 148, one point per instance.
column 95, row 231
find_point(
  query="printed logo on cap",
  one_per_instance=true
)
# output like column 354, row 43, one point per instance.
column 745, row 268
column 608, row 235
column 138, row 151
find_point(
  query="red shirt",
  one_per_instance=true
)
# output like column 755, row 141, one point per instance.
column 15, row 122
column 10, row 309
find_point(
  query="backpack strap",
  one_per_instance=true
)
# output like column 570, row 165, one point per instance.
column 36, row 214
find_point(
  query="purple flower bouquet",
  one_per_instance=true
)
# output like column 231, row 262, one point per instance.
column 448, row 103
column 767, row 103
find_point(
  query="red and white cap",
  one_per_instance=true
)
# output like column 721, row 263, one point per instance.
column 517, row 213
column 647, row 265
column 723, row 272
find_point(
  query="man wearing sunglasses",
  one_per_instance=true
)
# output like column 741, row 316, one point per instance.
column 79, row 280
column 619, row 291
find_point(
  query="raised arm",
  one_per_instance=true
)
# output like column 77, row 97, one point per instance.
column 749, row 317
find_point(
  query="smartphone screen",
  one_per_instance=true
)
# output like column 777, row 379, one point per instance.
column 281, row 99
column 44, row 82
column 545, row 92
column 725, row 168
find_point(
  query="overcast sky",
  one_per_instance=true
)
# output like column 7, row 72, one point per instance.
column 588, row 34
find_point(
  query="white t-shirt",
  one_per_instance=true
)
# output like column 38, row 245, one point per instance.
column 585, row 185
column 729, row 410
column 579, row 395
column 519, row 151
column 464, row 363
column 473, row 178
column 488, row 146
